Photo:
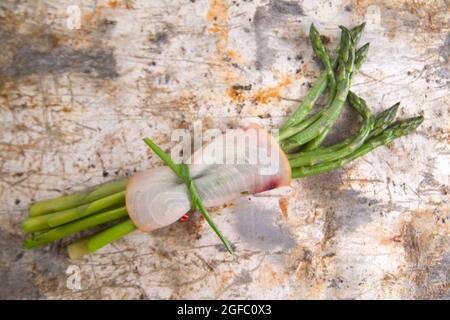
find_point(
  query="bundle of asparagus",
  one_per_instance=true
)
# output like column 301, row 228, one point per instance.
column 300, row 137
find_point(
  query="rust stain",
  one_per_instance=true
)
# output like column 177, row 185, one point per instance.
column 424, row 238
column 17, row 148
column 91, row 17
column 233, row 57
column 405, row 237
column 424, row 242
column 283, row 203
column 262, row 95
column 309, row 271
column 185, row 103
column 269, row 279
column 360, row 6
column 113, row 4
column 236, row 95
column 102, row 9
column 265, row 95
column 388, row 281
column 119, row 4
column 218, row 19
column 223, row 280
column 232, row 54
column 299, row 260
column 66, row 109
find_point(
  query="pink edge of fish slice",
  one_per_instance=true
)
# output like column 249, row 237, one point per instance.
column 156, row 198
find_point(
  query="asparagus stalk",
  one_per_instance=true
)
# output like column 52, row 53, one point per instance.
column 290, row 131
column 394, row 131
column 71, row 228
column 313, row 157
column 361, row 55
column 321, row 52
column 336, row 146
column 78, row 248
column 346, row 62
column 55, row 219
column 93, row 243
column 117, row 231
column 308, row 102
column 384, row 119
column 381, row 122
column 76, row 199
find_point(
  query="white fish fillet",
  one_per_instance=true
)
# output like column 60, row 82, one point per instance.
column 241, row 160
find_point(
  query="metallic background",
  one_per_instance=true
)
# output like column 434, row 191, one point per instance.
column 75, row 104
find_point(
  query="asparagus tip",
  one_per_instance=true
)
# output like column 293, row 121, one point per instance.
column 343, row 28
column 365, row 47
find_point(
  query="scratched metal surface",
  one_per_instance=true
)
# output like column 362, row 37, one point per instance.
column 75, row 104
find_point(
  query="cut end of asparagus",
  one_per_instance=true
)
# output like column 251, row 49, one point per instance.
column 109, row 235
column 28, row 244
column 78, row 249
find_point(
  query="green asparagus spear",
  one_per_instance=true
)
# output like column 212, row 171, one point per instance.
column 394, row 131
column 290, row 131
column 321, row 52
column 76, row 199
column 336, row 146
column 71, row 228
column 93, row 243
column 361, row 55
column 313, row 157
column 346, row 63
column 308, row 102
column 383, row 120
column 117, row 231
column 55, row 219
column 78, row 248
